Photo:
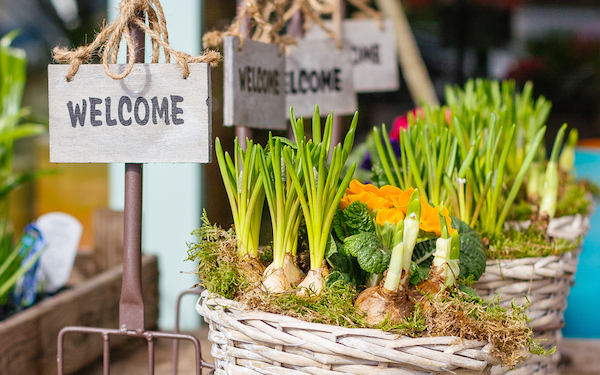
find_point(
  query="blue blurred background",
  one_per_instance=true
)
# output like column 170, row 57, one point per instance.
column 581, row 316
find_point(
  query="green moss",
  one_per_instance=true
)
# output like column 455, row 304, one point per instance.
column 575, row 198
column 266, row 254
column 521, row 211
column 216, row 253
column 335, row 305
column 529, row 243
column 414, row 325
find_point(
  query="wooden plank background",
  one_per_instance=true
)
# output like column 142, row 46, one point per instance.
column 142, row 141
column 29, row 338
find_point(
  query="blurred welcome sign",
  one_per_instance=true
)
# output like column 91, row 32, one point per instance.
column 317, row 72
column 254, row 84
column 374, row 53
column 153, row 115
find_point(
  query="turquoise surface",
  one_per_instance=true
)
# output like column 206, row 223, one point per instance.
column 583, row 312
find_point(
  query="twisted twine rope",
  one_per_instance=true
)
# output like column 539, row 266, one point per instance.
column 271, row 16
column 109, row 38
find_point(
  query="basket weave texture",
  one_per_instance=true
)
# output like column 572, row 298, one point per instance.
column 254, row 342
column 569, row 227
column 543, row 281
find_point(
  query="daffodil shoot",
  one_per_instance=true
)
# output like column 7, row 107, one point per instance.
column 246, row 194
column 319, row 185
column 550, row 189
column 284, row 204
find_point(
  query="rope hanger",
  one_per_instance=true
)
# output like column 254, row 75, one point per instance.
column 271, row 16
column 109, row 38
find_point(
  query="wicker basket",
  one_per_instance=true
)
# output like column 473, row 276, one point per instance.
column 545, row 282
column 255, row 342
column 567, row 227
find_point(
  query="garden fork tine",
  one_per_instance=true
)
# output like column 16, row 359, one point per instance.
column 131, row 303
column 176, row 342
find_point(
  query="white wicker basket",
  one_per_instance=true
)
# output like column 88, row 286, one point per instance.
column 545, row 282
column 254, row 342
column 567, row 227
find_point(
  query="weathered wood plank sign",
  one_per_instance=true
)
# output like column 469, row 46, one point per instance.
column 153, row 115
column 317, row 72
column 254, row 85
column 374, row 53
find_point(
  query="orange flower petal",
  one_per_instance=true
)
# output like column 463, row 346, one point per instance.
column 345, row 202
column 401, row 201
column 355, row 187
column 389, row 190
column 371, row 189
column 389, row 215
column 377, row 202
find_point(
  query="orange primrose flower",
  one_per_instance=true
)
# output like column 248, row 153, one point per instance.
column 430, row 219
column 401, row 200
column 390, row 215
column 391, row 204
column 364, row 193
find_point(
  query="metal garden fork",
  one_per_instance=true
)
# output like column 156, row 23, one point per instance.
column 131, row 303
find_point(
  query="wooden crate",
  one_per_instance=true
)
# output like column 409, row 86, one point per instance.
column 28, row 340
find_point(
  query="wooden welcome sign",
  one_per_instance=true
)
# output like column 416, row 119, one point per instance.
column 254, row 84
column 153, row 115
column 374, row 53
column 317, row 71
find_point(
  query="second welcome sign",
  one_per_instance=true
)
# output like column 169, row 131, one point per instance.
column 262, row 83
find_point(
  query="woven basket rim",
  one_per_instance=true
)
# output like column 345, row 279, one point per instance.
column 216, row 300
column 530, row 260
column 568, row 227
column 234, row 312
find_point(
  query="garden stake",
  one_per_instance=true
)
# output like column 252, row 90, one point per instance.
column 131, row 304
column 243, row 132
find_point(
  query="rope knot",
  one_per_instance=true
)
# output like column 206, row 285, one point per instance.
column 131, row 12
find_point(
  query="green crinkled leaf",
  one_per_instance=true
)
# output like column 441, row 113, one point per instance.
column 344, row 267
column 336, row 225
column 331, row 247
column 418, row 273
column 472, row 254
column 358, row 219
column 473, row 296
column 372, row 256
column 336, row 275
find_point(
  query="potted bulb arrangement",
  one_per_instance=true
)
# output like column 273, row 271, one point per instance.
column 483, row 156
column 357, row 277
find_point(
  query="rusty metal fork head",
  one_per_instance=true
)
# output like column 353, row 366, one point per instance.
column 150, row 337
